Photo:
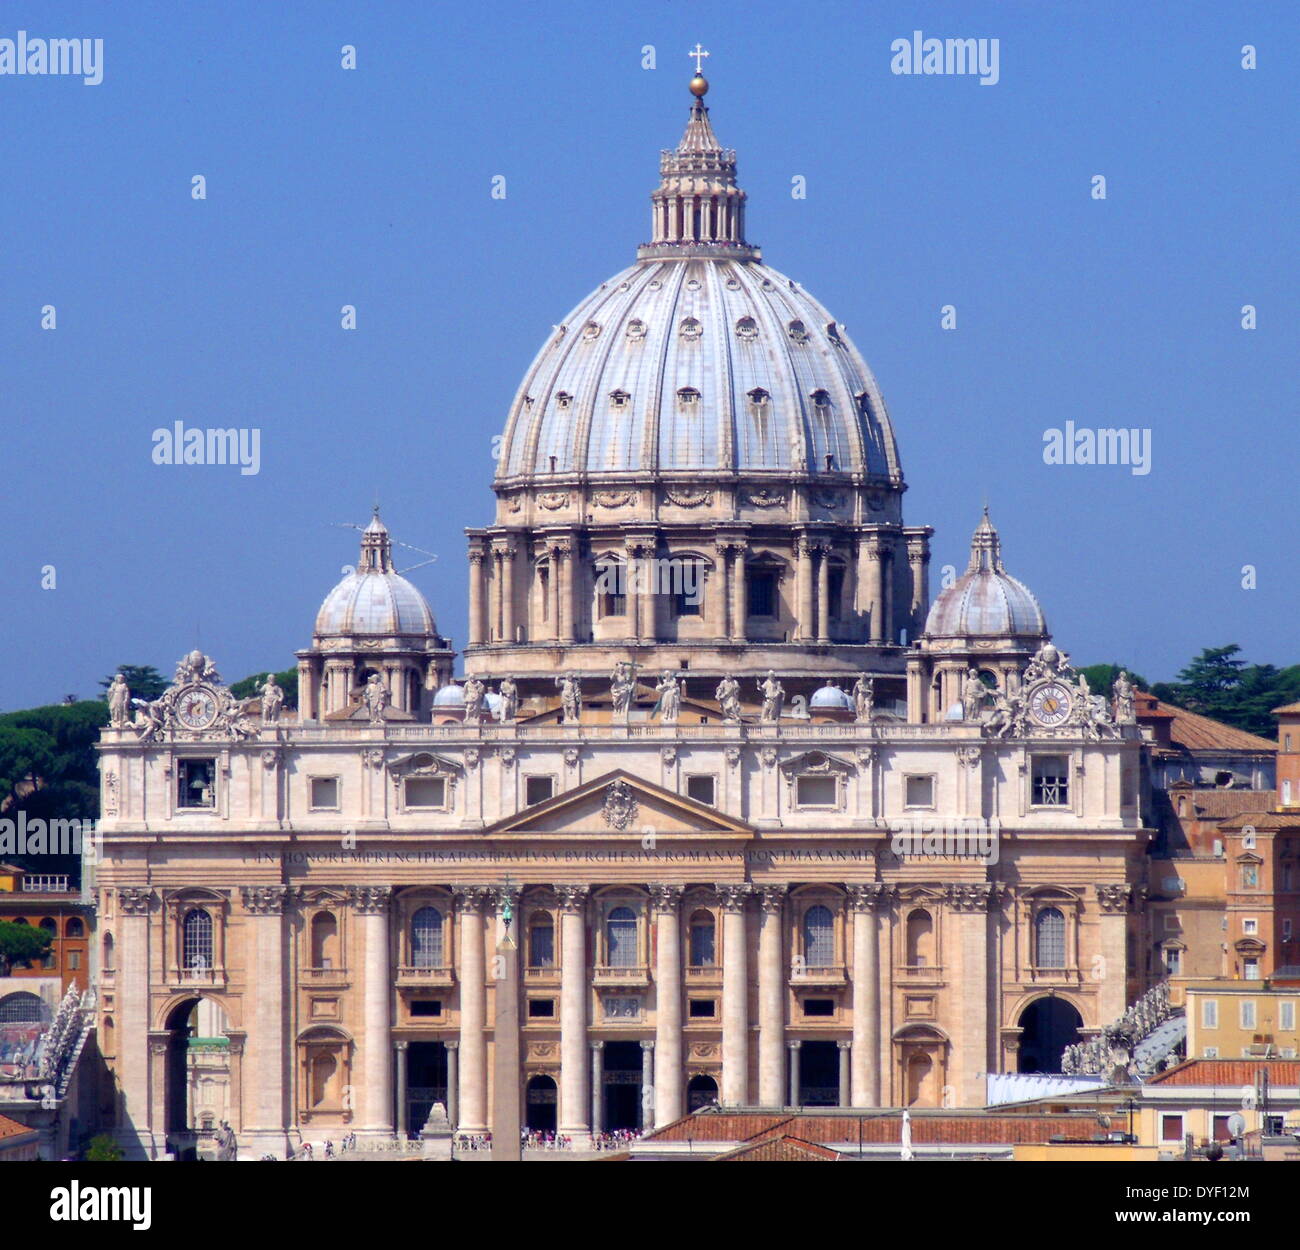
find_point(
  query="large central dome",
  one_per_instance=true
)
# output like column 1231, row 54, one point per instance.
column 704, row 366
column 698, row 473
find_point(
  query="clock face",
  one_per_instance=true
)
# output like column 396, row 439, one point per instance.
column 1050, row 703
column 196, row 708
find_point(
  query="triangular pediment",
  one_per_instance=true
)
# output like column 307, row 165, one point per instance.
column 620, row 803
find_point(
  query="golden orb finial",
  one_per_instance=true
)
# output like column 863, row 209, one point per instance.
column 699, row 86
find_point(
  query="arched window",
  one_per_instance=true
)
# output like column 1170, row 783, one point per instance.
column 541, row 941
column 324, row 940
column 426, row 938
column 703, row 943
column 196, row 940
column 22, row 1008
column 74, row 928
column 920, row 939
column 1049, row 938
column 620, row 937
column 108, row 952
column 818, row 937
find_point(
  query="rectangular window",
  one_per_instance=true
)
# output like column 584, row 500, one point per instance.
column 426, row 792
column 1171, row 923
column 818, row 1006
column 74, row 962
column 817, row 791
column 1250, row 925
column 919, row 791
column 1286, row 1015
column 1252, row 970
column 703, row 1008
column 1286, row 929
column 760, row 594
column 1274, row 1125
column 538, row 789
column 611, row 581
column 1211, row 1052
column 835, row 593
column 1051, row 787
column 541, row 1008
column 1248, row 1013
column 196, row 783
column 1219, row 1128
column 1174, row 961
column 426, row 1007
column 700, row 788
column 1209, row 1013
column 325, row 793
column 1171, row 1128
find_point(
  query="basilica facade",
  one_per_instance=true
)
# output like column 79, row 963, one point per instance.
column 736, row 812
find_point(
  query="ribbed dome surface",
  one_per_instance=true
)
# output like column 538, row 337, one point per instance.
column 375, row 599
column 374, row 603
column 698, row 364
column 986, row 600
column 830, row 697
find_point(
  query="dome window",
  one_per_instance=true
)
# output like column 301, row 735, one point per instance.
column 833, row 333
column 758, row 396
column 747, row 328
column 635, row 331
column 691, row 328
column 797, row 331
column 563, row 400
column 688, row 397
column 591, row 331
column 619, row 399
column 820, row 398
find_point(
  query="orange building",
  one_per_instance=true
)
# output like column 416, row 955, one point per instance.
column 53, row 904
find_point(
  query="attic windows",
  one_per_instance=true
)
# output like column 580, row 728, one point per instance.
column 619, row 399
column 688, row 397
column 691, row 329
column 797, row 331
column 747, row 328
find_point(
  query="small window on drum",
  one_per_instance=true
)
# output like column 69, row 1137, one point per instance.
column 760, row 593
column 324, row 793
column 688, row 398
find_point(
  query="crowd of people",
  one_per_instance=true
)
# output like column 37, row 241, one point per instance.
column 615, row 1140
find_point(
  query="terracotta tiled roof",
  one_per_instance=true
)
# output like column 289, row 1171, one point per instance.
column 11, row 1128
column 1220, row 804
column 1230, row 1072
column 1195, row 732
column 1293, row 708
column 876, row 1128
column 1262, row 820
column 784, row 1149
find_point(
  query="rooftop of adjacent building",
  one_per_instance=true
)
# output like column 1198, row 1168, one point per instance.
column 1177, row 728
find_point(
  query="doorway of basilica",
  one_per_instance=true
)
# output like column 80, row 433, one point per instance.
column 540, row 1102
column 426, row 1082
column 1047, row 1027
column 622, row 1077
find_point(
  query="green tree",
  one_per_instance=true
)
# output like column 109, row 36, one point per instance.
column 103, row 1149
column 21, row 943
column 1101, row 677
column 1209, row 682
column 145, row 681
column 26, row 755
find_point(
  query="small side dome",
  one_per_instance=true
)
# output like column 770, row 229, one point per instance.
column 986, row 601
column 451, row 695
column 830, row 698
column 375, row 599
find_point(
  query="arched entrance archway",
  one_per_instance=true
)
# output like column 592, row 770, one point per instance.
column 540, row 1103
column 196, row 1095
column 1047, row 1027
column 701, row 1092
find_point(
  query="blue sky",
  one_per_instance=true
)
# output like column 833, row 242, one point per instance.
column 372, row 187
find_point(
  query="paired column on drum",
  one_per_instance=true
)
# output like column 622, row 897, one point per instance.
column 371, row 905
column 477, row 598
column 574, row 1110
column 665, row 903
column 735, row 994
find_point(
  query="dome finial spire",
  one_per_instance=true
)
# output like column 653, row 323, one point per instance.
column 699, row 84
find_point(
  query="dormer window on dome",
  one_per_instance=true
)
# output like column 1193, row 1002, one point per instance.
column 563, row 400
column 688, row 397
column 591, row 331
column 747, row 328
column 635, row 330
column 619, row 399
column 691, row 328
column 797, row 331
column 821, row 398
column 758, row 396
